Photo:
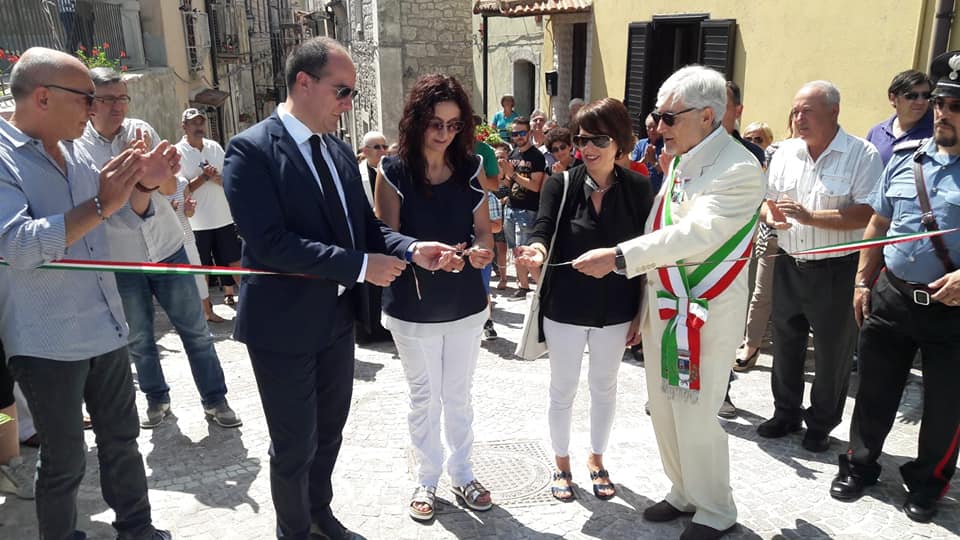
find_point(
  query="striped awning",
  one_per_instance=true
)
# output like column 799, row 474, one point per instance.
column 529, row 8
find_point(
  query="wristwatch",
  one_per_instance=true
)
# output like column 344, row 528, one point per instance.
column 620, row 262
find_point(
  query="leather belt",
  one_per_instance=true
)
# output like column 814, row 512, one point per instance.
column 918, row 292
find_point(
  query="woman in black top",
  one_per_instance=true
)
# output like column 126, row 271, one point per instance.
column 431, row 190
column 605, row 205
column 559, row 143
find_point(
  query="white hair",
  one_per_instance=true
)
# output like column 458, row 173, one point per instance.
column 698, row 87
column 829, row 90
column 371, row 135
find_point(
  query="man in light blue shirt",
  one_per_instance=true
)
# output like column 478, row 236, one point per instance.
column 64, row 332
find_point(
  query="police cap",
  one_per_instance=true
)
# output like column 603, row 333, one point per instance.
column 945, row 70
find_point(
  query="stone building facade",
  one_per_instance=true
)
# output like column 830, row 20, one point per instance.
column 393, row 42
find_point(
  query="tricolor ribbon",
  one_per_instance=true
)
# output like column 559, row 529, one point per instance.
column 148, row 268
column 684, row 301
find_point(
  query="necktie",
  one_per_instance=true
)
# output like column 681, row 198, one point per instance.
column 331, row 198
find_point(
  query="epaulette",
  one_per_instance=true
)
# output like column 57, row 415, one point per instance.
column 912, row 145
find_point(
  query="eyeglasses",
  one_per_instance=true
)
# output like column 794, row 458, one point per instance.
column 600, row 141
column 559, row 147
column 377, row 146
column 669, row 118
column 519, row 133
column 754, row 140
column 90, row 96
column 913, row 96
column 343, row 92
column 454, row 126
column 940, row 103
column 112, row 100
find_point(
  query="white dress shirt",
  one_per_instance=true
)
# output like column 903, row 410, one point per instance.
column 844, row 175
column 301, row 135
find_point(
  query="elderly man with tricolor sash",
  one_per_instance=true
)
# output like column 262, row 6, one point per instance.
column 696, row 295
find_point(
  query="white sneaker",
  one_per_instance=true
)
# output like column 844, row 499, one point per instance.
column 17, row 478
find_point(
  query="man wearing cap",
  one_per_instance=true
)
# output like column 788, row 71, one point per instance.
column 819, row 193
column 913, row 304
column 212, row 223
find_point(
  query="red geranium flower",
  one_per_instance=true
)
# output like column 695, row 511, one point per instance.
column 123, row 68
column 106, row 45
column 13, row 59
column 82, row 48
column 123, row 54
column 95, row 52
column 2, row 54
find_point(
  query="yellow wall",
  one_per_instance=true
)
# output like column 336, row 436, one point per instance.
column 857, row 44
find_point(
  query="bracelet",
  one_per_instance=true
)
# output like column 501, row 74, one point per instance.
column 99, row 207
column 541, row 250
column 140, row 187
column 861, row 285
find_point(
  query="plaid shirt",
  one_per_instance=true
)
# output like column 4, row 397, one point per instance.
column 67, row 6
column 495, row 211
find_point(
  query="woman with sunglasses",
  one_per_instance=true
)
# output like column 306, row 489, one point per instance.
column 605, row 204
column 431, row 189
column 560, row 145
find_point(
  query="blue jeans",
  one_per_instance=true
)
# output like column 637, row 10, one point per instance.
column 518, row 226
column 55, row 391
column 178, row 296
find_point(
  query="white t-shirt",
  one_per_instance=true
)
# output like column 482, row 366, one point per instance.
column 213, row 211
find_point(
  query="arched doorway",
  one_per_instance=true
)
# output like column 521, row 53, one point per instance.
column 524, row 86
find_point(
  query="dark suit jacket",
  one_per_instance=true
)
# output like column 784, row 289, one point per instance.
column 278, row 207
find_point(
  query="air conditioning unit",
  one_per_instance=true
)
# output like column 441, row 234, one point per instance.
column 196, row 34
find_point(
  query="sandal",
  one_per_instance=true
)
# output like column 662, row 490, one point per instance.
column 426, row 496
column 471, row 493
column 603, row 486
column 562, row 493
column 229, row 300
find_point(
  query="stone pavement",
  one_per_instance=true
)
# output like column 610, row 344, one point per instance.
column 209, row 483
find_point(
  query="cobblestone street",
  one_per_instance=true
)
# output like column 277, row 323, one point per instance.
column 209, row 483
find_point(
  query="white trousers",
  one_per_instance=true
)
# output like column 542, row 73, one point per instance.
column 193, row 255
column 566, row 343
column 439, row 371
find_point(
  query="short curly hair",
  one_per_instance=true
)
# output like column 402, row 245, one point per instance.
column 557, row 135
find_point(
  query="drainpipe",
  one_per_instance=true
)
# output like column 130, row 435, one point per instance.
column 213, row 64
column 484, row 22
column 943, row 19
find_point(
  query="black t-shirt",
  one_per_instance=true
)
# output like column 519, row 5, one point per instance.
column 525, row 164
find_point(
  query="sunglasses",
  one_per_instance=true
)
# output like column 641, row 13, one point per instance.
column 454, row 126
column 343, row 92
column 669, row 118
column 913, row 96
column 600, row 141
column 754, row 140
column 559, row 148
column 377, row 146
column 520, row 133
column 111, row 100
column 90, row 96
column 939, row 104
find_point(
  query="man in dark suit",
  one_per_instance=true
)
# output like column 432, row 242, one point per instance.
column 295, row 194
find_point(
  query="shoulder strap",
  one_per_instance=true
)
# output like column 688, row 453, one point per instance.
column 556, row 225
column 927, row 218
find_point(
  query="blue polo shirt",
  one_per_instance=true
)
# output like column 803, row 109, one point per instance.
column 895, row 198
column 881, row 135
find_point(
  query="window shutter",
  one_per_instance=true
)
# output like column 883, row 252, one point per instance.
column 638, row 53
column 717, row 39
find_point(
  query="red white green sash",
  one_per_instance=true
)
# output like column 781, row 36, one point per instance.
column 685, row 299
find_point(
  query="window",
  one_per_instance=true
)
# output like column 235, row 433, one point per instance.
column 578, row 68
column 196, row 33
column 656, row 49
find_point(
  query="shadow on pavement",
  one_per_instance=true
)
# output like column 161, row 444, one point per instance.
column 804, row 529
column 219, row 473
column 498, row 522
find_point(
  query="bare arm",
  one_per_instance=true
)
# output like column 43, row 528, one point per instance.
column 387, row 203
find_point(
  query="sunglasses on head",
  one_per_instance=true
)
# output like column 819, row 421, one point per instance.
column 454, row 126
column 913, row 96
column 377, row 146
column 90, row 96
column 560, row 147
column 600, row 141
column 940, row 103
column 519, row 133
column 669, row 118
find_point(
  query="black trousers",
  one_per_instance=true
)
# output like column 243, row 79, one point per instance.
column 889, row 339
column 306, row 399
column 817, row 295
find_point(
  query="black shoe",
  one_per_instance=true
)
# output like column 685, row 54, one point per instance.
column 663, row 511
column 775, row 428
column 521, row 293
column 488, row 330
column 921, row 511
column 696, row 531
column 727, row 409
column 848, row 485
column 816, row 441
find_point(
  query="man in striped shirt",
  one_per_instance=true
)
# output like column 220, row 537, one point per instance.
column 818, row 193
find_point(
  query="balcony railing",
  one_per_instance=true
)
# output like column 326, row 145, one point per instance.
column 31, row 23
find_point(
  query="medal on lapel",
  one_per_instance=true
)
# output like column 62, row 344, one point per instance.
column 679, row 182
